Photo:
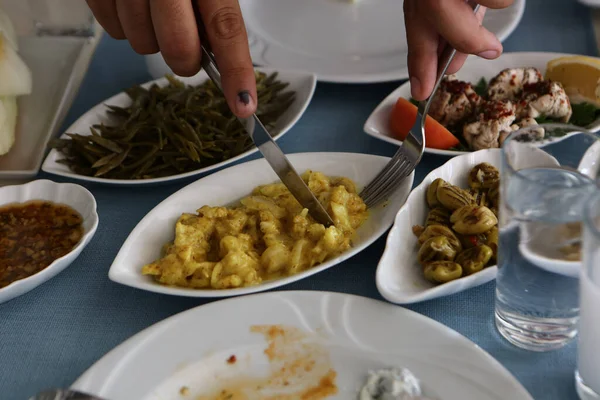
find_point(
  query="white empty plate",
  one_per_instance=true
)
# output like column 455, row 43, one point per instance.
column 225, row 187
column 475, row 68
column 342, row 41
column 302, row 83
column 314, row 332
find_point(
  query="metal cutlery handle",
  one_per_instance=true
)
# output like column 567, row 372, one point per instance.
column 63, row 394
column 444, row 62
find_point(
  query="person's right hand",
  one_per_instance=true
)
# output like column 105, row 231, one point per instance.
column 169, row 26
column 432, row 23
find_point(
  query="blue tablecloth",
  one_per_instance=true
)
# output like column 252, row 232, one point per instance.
column 51, row 335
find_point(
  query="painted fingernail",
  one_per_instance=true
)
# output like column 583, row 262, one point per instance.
column 244, row 101
column 489, row 54
column 415, row 85
column 244, row 97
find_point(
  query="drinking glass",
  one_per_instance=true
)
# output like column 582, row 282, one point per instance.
column 587, row 377
column 543, row 186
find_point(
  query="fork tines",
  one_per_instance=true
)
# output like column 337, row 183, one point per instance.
column 387, row 180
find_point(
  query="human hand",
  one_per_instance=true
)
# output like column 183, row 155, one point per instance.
column 432, row 23
column 169, row 26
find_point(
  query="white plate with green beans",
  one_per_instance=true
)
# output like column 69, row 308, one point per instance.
column 172, row 128
column 478, row 72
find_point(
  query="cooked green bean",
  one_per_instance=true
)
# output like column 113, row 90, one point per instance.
column 170, row 130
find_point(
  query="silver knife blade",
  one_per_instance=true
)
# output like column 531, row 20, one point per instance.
column 271, row 152
column 596, row 25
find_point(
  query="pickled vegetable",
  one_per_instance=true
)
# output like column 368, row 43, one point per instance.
column 438, row 216
column 473, row 220
column 452, row 197
column 432, row 199
column 437, row 248
column 483, row 176
column 440, row 230
column 460, row 234
column 474, row 259
column 442, row 271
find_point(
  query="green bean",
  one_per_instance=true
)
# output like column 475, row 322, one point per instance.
column 168, row 130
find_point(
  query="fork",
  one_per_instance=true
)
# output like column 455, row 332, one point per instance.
column 411, row 150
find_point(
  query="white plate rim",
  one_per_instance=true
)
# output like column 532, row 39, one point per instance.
column 115, row 356
column 116, row 275
column 61, row 263
column 401, row 73
column 50, row 165
column 482, row 277
column 388, row 102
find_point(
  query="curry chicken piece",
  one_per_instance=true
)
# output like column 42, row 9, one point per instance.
column 509, row 83
column 269, row 235
column 453, row 102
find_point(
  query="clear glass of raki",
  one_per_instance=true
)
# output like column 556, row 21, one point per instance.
column 587, row 376
column 545, row 178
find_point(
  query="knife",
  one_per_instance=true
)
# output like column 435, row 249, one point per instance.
column 265, row 143
column 596, row 26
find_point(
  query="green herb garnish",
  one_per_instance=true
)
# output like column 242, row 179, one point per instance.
column 584, row 114
column 170, row 130
column 481, row 87
column 542, row 119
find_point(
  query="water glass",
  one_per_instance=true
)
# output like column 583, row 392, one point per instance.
column 587, row 377
column 543, row 187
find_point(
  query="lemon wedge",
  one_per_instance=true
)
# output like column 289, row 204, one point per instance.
column 579, row 75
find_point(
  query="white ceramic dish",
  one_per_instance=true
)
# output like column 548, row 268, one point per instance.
column 590, row 162
column 399, row 276
column 302, row 83
column 347, row 42
column 58, row 65
column 228, row 186
column 349, row 334
column 377, row 125
column 75, row 196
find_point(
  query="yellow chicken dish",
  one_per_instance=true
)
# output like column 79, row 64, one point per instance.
column 267, row 236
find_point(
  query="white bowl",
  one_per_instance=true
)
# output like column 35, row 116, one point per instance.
column 75, row 196
column 399, row 276
column 145, row 242
column 302, row 83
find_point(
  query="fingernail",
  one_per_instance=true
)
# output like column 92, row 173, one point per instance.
column 415, row 85
column 489, row 54
column 244, row 101
column 244, row 97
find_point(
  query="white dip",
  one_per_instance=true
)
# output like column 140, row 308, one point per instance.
column 391, row 384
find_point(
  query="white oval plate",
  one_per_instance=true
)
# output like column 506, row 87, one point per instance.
column 75, row 196
column 302, row 83
column 399, row 276
column 363, row 42
column 356, row 334
column 475, row 68
column 145, row 242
